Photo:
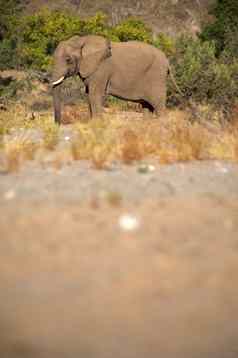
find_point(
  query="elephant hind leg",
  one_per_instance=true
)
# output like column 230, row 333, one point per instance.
column 158, row 102
column 160, row 108
column 146, row 105
column 156, row 92
column 156, row 106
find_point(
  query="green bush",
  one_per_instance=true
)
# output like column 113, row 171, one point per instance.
column 96, row 25
column 7, row 54
column 201, row 77
column 9, row 10
column 225, row 24
column 165, row 43
column 223, row 91
column 133, row 29
column 39, row 35
column 230, row 51
column 8, row 92
column 191, row 62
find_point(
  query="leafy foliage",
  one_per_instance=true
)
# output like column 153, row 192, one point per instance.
column 40, row 33
column 225, row 24
column 191, row 61
column 201, row 76
column 9, row 9
column 96, row 25
column 133, row 29
column 165, row 43
column 34, row 37
column 8, row 54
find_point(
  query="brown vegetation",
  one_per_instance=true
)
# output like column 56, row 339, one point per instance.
column 120, row 136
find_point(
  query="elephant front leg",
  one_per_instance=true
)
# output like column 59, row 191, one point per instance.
column 96, row 96
column 95, row 105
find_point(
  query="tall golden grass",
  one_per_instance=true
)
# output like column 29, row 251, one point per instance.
column 123, row 136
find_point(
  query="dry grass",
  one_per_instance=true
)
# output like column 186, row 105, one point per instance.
column 16, row 145
column 17, row 152
column 114, row 199
column 170, row 139
column 121, row 136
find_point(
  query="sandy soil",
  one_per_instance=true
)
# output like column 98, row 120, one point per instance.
column 77, row 281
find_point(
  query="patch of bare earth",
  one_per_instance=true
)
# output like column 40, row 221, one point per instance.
column 75, row 282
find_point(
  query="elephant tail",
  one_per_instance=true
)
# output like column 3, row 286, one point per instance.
column 174, row 82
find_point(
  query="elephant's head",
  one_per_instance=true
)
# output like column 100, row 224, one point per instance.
column 78, row 55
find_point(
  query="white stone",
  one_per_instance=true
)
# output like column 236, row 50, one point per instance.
column 129, row 222
column 9, row 195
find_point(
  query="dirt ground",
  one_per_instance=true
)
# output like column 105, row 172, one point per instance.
column 119, row 262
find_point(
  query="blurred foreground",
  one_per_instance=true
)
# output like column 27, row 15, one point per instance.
column 92, row 270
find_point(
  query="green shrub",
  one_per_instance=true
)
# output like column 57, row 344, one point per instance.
column 226, row 22
column 133, row 29
column 201, row 77
column 165, row 43
column 7, row 54
column 14, row 88
column 9, row 10
column 96, row 25
column 191, row 62
column 230, row 51
column 223, row 89
column 9, row 15
column 9, row 92
column 39, row 35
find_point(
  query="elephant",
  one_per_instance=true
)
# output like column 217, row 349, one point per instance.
column 132, row 70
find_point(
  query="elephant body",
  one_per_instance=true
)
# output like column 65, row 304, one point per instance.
column 130, row 70
column 140, row 74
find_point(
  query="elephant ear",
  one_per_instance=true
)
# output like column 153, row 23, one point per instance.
column 94, row 51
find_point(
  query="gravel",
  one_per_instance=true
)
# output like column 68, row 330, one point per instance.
column 79, row 181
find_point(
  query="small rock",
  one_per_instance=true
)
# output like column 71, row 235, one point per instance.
column 224, row 170
column 9, row 195
column 129, row 222
column 146, row 168
column 221, row 168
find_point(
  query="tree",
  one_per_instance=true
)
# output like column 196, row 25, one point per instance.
column 225, row 25
column 9, row 9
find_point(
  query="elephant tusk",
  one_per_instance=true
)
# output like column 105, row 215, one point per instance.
column 58, row 81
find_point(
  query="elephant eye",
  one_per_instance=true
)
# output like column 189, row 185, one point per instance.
column 69, row 60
